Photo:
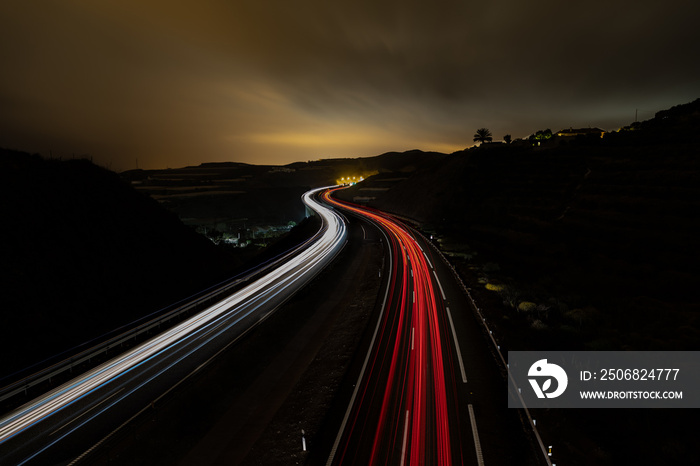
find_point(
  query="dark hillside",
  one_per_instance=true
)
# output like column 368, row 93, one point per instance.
column 84, row 253
column 580, row 244
column 597, row 231
column 234, row 198
column 405, row 162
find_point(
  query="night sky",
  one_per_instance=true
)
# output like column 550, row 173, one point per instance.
column 172, row 83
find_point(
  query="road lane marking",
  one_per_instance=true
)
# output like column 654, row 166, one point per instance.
column 439, row 284
column 364, row 233
column 459, row 352
column 477, row 444
column 426, row 258
column 405, row 436
column 364, row 365
column 412, row 335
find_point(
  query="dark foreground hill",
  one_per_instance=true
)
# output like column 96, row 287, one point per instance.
column 83, row 253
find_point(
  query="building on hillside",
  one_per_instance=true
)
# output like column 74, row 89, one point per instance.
column 573, row 132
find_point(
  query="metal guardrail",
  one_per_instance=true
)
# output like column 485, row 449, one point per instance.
column 501, row 358
column 215, row 293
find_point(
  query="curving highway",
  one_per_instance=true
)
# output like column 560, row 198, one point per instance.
column 58, row 426
column 405, row 406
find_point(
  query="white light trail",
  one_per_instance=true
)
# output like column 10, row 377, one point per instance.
column 216, row 319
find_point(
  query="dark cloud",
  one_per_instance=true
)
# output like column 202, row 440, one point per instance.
column 174, row 83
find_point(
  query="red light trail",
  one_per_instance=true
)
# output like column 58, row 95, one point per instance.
column 406, row 407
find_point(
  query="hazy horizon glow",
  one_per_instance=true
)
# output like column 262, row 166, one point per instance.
column 171, row 83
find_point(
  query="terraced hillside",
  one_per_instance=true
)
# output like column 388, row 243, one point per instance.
column 235, row 198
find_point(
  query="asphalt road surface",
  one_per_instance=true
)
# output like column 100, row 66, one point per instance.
column 249, row 405
column 424, row 389
column 430, row 390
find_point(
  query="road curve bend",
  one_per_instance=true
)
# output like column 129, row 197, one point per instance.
column 404, row 410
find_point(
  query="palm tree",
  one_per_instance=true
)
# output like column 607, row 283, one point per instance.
column 483, row 135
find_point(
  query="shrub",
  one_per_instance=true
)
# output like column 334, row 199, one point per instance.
column 494, row 287
column 510, row 295
column 537, row 324
column 527, row 306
